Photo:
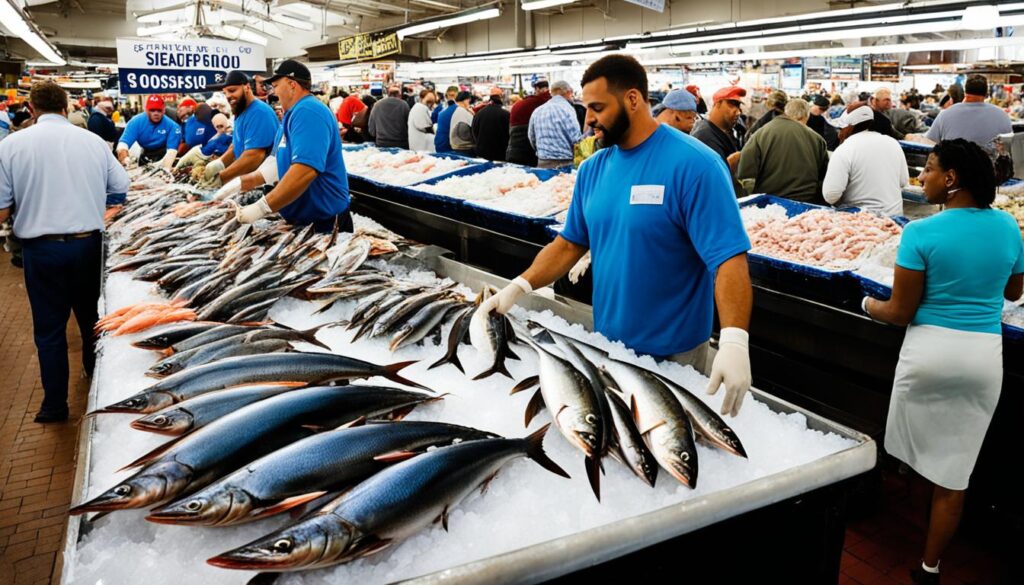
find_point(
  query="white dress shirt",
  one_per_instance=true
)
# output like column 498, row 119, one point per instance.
column 57, row 177
column 868, row 171
column 419, row 122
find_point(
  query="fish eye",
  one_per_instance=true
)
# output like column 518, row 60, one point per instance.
column 684, row 456
column 591, row 418
column 123, row 490
column 160, row 420
column 282, row 546
column 194, row 505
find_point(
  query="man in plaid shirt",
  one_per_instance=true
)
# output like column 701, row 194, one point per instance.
column 554, row 128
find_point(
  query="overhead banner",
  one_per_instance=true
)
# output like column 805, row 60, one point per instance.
column 368, row 46
column 187, row 66
column 657, row 5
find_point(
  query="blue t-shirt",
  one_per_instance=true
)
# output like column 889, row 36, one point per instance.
column 967, row 256
column 310, row 136
column 150, row 136
column 444, row 125
column 197, row 132
column 218, row 145
column 659, row 220
column 255, row 128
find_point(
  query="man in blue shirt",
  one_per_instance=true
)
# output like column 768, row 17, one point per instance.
column 313, row 186
column 255, row 129
column 56, row 177
column 196, row 125
column 216, row 146
column 554, row 129
column 155, row 133
column 656, row 209
column 442, row 140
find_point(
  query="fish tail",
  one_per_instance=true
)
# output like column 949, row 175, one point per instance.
column 391, row 373
column 535, row 451
column 309, row 335
column 497, row 368
column 593, row 465
column 264, row 579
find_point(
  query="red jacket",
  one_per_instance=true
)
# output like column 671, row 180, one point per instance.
column 523, row 109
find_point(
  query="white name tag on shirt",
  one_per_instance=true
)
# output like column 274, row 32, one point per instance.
column 647, row 194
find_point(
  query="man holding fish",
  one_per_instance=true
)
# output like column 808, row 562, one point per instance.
column 313, row 186
column 656, row 209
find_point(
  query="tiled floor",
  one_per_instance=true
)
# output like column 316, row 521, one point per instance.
column 37, row 469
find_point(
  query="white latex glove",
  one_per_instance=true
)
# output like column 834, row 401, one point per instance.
column 731, row 368
column 234, row 187
column 193, row 156
column 211, row 175
column 268, row 170
column 506, row 298
column 167, row 162
column 256, row 211
column 580, row 268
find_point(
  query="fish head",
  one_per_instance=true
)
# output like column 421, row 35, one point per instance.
column 321, row 540
column 143, row 402
column 162, row 369
column 175, row 421
column 586, row 430
column 150, row 486
column 220, row 505
column 681, row 463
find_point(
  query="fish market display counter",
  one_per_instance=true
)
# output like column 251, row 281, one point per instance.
column 780, row 512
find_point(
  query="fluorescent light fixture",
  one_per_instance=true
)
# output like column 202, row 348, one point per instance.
column 434, row 4
column 292, row 22
column 956, row 45
column 981, row 17
column 15, row 21
column 539, row 4
column 464, row 17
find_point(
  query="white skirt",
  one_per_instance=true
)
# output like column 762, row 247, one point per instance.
column 946, row 389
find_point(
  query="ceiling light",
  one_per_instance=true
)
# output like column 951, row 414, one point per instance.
column 434, row 4
column 464, row 17
column 540, row 4
column 18, row 24
column 981, row 17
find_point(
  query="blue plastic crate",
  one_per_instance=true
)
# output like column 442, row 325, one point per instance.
column 470, row 164
column 510, row 223
column 915, row 147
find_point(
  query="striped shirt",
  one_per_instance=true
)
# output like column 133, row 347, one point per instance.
column 554, row 129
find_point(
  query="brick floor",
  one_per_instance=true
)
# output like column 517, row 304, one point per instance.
column 36, row 461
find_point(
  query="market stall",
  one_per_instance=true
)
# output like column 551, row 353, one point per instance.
column 550, row 526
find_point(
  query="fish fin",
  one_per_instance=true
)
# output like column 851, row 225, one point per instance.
column 593, row 465
column 510, row 332
column 534, row 407
column 167, row 351
column 316, row 428
column 544, row 336
column 264, row 579
column 535, row 451
column 497, row 368
column 486, row 483
column 309, row 335
column 372, row 547
column 395, row 456
column 355, row 423
column 401, row 413
column 525, row 384
column 512, row 355
column 155, row 453
column 391, row 373
column 652, row 427
column 443, row 517
column 286, row 504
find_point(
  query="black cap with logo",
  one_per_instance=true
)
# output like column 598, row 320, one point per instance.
column 293, row 69
column 232, row 78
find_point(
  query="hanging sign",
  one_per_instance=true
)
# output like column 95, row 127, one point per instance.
column 368, row 46
column 186, row 66
column 656, row 5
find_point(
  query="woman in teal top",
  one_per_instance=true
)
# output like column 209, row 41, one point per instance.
column 953, row 271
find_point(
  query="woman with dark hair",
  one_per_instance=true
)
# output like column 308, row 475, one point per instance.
column 953, row 271
column 868, row 170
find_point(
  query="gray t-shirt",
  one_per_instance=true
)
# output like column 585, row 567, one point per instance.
column 977, row 122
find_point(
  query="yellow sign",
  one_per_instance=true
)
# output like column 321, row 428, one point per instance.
column 368, row 46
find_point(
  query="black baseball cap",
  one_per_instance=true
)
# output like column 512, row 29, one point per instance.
column 232, row 78
column 291, row 68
